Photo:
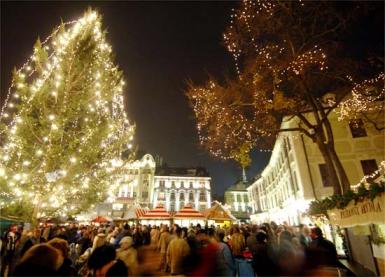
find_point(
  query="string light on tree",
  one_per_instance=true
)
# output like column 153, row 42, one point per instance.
column 45, row 133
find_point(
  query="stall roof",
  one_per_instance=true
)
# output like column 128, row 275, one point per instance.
column 218, row 212
column 158, row 213
column 134, row 212
column 188, row 212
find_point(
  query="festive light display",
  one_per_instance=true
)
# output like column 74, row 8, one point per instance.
column 63, row 124
column 287, row 62
column 250, row 111
column 367, row 98
column 379, row 173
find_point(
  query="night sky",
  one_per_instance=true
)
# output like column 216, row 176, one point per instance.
column 159, row 46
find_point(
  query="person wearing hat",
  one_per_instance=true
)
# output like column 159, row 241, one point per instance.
column 99, row 240
column 128, row 255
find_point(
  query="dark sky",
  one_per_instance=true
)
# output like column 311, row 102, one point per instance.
column 159, row 46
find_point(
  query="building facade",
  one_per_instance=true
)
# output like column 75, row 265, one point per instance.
column 237, row 199
column 176, row 187
column 147, row 184
column 296, row 173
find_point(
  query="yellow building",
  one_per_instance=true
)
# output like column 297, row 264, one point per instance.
column 296, row 173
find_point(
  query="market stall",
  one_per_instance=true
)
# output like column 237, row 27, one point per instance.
column 187, row 216
column 218, row 214
column 360, row 214
column 101, row 219
column 157, row 216
column 134, row 213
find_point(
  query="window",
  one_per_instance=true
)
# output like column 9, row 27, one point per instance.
column 181, row 196
column 134, row 194
column 173, row 183
column 239, row 198
column 145, row 194
column 357, row 128
column 191, row 197
column 172, row 196
column 117, row 206
column 295, row 181
column 325, row 175
column 202, row 197
column 369, row 166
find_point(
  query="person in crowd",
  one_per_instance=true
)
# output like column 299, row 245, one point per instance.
column 99, row 240
column 46, row 234
column 12, row 238
column 262, row 256
column 138, row 236
column 84, row 242
column 66, row 268
column 128, row 254
column 103, row 262
column 225, row 261
column 251, row 240
column 71, row 233
column 237, row 242
column 205, row 256
column 177, row 250
column 155, row 235
column 146, row 237
column 304, row 235
column 40, row 260
column 32, row 238
column 290, row 258
column 164, row 240
column 124, row 233
column 321, row 252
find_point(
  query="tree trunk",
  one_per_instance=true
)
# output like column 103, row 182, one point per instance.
column 329, row 162
column 339, row 168
column 344, row 181
column 35, row 213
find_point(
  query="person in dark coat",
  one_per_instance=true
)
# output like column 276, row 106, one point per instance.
column 263, row 256
column 103, row 262
column 321, row 252
column 84, row 242
column 40, row 260
column 126, row 232
column 66, row 269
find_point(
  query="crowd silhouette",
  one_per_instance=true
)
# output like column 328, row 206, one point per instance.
column 140, row 250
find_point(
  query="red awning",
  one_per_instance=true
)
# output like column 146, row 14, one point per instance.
column 158, row 213
column 188, row 212
column 139, row 211
column 100, row 219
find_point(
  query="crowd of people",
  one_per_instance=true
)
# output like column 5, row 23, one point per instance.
column 237, row 250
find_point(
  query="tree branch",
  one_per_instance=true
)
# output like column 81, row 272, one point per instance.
column 299, row 129
column 373, row 122
column 305, row 120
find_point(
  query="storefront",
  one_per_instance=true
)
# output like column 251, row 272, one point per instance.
column 365, row 223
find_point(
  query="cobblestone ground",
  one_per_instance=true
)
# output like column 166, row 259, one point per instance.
column 149, row 261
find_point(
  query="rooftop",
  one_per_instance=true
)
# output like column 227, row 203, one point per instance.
column 182, row 171
column 240, row 185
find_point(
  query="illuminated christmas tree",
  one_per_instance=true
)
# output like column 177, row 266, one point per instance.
column 63, row 124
